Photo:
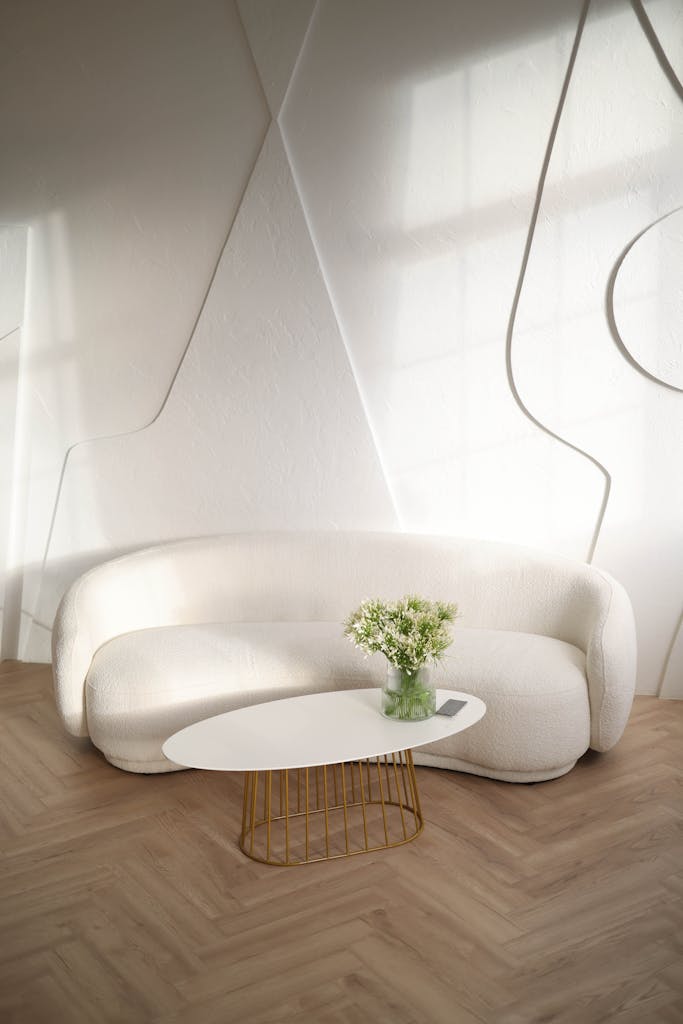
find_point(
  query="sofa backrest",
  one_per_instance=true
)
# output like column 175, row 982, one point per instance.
column 324, row 576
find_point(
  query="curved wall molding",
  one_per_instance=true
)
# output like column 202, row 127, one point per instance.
column 260, row 26
column 138, row 430
column 607, row 480
column 123, row 176
column 656, row 44
column 276, row 42
column 627, row 351
column 263, row 428
column 343, row 333
column 618, row 137
column 256, row 20
column 420, row 302
column 406, row 325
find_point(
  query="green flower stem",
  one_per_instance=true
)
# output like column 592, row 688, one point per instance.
column 410, row 700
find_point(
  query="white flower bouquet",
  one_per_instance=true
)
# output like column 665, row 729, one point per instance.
column 409, row 633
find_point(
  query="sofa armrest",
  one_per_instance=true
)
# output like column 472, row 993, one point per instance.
column 287, row 577
column 611, row 667
column 136, row 591
column 72, row 653
column 181, row 582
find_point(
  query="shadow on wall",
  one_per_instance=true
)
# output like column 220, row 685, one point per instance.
column 419, row 176
column 46, row 364
column 111, row 154
column 457, row 487
column 51, row 581
column 436, row 176
column 438, row 142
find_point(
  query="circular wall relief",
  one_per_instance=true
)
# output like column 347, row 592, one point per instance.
column 647, row 300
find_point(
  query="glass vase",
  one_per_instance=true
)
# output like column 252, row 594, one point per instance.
column 406, row 697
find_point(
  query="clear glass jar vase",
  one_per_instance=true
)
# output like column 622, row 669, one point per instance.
column 406, row 697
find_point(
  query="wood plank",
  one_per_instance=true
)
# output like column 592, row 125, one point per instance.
column 125, row 897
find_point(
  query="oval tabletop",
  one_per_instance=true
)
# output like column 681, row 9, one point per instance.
column 314, row 729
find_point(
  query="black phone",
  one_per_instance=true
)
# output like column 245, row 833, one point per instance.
column 451, row 707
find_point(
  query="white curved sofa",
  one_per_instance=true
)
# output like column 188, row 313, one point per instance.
column 158, row 639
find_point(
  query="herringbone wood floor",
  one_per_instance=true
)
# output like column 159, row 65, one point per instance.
column 125, row 899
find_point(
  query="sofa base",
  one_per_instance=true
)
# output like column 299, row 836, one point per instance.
column 144, row 686
column 424, row 759
column 455, row 765
column 145, row 767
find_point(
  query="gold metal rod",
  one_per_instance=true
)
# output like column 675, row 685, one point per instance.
column 268, row 795
column 245, row 805
column 327, row 822
column 307, row 845
column 404, row 768
column 281, row 782
column 346, row 820
column 298, row 791
column 286, row 774
column 333, row 856
column 398, row 797
column 317, row 788
column 414, row 779
column 387, row 777
column 362, row 801
column 408, row 799
column 334, row 780
column 253, row 809
column 410, row 787
column 417, row 810
column 381, row 800
column 353, row 783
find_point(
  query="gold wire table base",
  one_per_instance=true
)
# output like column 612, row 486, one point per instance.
column 303, row 815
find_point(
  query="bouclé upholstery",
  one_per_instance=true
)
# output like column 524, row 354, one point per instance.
column 153, row 641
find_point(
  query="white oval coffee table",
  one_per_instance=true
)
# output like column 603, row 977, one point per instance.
column 327, row 775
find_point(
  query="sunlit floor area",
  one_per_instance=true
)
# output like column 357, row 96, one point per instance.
column 124, row 898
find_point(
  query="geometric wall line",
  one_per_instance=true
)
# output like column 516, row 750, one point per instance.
column 263, row 421
column 664, row 351
column 176, row 372
column 421, row 301
column 325, row 276
column 125, row 212
column 520, row 284
column 407, row 325
column 671, row 684
column 656, row 44
column 244, row 157
column 174, row 377
column 625, row 127
column 277, row 34
column 278, row 42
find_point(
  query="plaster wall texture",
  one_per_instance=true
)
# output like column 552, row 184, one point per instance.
column 281, row 439
column 346, row 264
column 13, row 241
column 129, row 134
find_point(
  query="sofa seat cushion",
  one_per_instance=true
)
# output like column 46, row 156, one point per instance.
column 537, row 721
column 144, row 686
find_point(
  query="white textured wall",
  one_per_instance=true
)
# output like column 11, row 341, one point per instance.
column 129, row 131
column 12, row 302
column 351, row 264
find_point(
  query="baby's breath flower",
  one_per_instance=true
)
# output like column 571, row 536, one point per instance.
column 408, row 632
